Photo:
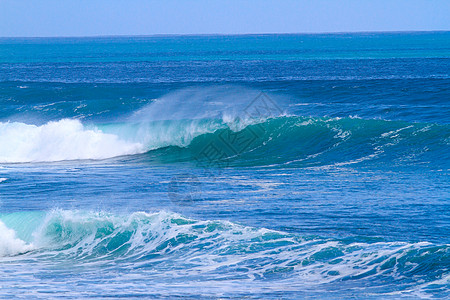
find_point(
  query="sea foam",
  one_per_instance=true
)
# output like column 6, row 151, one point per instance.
column 204, row 246
column 10, row 244
column 57, row 141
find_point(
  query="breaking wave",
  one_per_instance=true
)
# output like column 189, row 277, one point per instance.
column 194, row 247
column 242, row 127
column 286, row 141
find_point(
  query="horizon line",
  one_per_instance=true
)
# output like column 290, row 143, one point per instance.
column 222, row 34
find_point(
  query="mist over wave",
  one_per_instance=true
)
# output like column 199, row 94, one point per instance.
column 244, row 128
column 173, row 120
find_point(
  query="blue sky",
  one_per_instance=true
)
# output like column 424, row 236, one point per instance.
column 147, row 17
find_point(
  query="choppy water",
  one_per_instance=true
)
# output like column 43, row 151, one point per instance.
column 226, row 166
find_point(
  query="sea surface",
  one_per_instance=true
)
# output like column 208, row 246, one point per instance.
column 256, row 166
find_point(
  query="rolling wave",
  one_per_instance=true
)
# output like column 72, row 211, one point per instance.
column 228, row 126
column 193, row 247
column 284, row 141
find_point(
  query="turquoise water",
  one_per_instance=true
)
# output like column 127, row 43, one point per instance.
column 275, row 166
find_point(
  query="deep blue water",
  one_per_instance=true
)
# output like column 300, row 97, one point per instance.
column 276, row 166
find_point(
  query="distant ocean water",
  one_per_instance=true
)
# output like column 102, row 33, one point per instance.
column 275, row 166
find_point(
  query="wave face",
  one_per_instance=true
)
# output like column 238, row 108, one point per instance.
column 188, row 247
column 300, row 142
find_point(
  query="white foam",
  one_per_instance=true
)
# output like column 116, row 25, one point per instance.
column 64, row 234
column 57, row 141
column 10, row 244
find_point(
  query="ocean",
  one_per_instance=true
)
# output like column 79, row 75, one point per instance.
column 247, row 166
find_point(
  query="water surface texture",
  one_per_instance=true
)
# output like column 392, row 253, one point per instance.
column 276, row 166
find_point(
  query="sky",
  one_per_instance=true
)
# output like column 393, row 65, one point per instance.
column 32, row 18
